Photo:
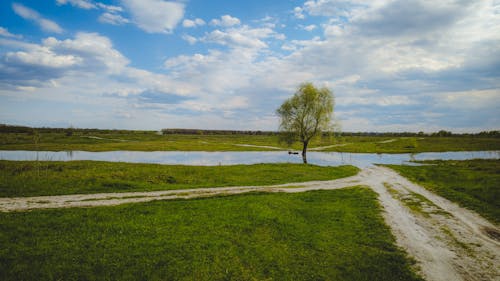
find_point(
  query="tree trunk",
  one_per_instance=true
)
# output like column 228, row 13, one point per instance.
column 304, row 151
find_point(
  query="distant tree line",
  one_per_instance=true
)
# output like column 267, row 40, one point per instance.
column 441, row 133
column 30, row 130
column 68, row 131
column 214, row 132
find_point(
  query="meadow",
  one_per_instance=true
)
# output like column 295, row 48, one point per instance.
column 473, row 184
column 32, row 178
column 152, row 141
column 319, row 235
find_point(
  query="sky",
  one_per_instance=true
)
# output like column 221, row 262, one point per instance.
column 393, row 65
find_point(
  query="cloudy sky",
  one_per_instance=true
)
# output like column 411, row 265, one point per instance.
column 393, row 65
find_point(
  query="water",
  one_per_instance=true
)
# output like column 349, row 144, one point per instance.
column 247, row 157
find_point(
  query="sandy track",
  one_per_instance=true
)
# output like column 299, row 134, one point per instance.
column 388, row 141
column 260, row 146
column 328, row 146
column 447, row 241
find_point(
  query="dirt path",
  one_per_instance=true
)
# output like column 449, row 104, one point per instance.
column 326, row 147
column 447, row 241
column 99, row 138
column 260, row 146
column 388, row 141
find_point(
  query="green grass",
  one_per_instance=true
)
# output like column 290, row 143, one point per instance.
column 414, row 144
column 150, row 141
column 320, row 235
column 31, row 178
column 474, row 184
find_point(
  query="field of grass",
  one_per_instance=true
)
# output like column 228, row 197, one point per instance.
column 31, row 178
column 474, row 184
column 320, row 235
column 414, row 144
column 150, row 141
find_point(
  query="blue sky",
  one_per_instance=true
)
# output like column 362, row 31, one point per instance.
column 393, row 65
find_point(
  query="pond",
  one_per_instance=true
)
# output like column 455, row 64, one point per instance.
column 246, row 157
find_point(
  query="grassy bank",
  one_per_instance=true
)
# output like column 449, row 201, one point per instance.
column 150, row 141
column 320, row 235
column 474, row 184
column 31, row 178
column 414, row 144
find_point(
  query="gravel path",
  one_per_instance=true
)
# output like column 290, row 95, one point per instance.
column 447, row 241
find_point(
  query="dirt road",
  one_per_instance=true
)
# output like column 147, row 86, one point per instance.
column 447, row 241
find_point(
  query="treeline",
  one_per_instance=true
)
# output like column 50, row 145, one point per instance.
column 69, row 131
column 30, row 130
column 214, row 132
column 442, row 133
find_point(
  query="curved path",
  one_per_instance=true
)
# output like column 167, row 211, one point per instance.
column 447, row 241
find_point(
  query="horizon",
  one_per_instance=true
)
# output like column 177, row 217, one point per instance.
column 393, row 66
column 242, row 131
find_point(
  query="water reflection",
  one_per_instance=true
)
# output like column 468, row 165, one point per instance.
column 247, row 157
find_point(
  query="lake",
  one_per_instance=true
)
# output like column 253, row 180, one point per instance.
column 243, row 157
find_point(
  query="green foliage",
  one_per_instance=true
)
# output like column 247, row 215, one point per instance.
column 21, row 178
column 473, row 183
column 321, row 235
column 307, row 113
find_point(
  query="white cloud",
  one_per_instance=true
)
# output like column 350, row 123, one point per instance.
column 43, row 57
column 193, row 23
column 294, row 45
column 378, row 100
column 298, row 13
column 110, row 8
column 340, row 8
column 95, row 51
column 5, row 33
column 89, row 4
column 236, row 102
column 225, row 21
column 38, row 64
column 243, row 36
column 83, row 4
column 334, row 28
column 111, row 14
column 30, row 14
column 155, row 16
column 190, row 39
column 471, row 100
column 309, row 28
column 112, row 18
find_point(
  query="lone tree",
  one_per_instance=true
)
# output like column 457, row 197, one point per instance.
column 306, row 115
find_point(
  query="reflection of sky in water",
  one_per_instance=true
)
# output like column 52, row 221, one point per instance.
column 246, row 157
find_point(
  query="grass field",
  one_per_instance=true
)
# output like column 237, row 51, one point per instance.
column 31, row 178
column 320, row 235
column 474, row 184
column 150, row 141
